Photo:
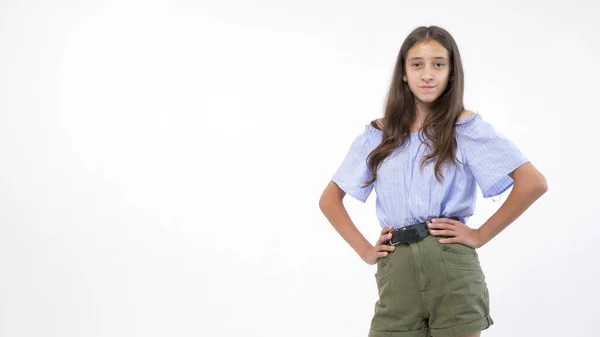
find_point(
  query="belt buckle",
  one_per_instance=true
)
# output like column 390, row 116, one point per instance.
column 412, row 240
column 393, row 230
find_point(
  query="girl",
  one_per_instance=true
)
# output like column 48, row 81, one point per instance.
column 424, row 159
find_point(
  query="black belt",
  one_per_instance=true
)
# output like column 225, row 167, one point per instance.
column 412, row 233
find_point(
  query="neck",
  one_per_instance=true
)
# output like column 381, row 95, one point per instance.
column 422, row 111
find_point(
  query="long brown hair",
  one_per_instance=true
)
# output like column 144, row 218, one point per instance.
column 400, row 111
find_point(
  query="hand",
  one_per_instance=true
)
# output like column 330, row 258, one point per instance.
column 459, row 232
column 374, row 253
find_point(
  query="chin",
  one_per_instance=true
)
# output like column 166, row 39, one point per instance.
column 427, row 99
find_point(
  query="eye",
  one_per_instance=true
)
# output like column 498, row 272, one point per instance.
column 439, row 64
column 416, row 64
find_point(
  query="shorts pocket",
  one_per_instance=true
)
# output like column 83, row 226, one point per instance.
column 457, row 248
column 459, row 256
column 460, row 261
column 383, row 266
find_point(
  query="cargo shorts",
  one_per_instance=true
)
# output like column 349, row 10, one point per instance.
column 430, row 289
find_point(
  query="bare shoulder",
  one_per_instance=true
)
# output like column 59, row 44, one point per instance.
column 465, row 114
column 377, row 123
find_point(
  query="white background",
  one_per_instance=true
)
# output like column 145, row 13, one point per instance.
column 161, row 162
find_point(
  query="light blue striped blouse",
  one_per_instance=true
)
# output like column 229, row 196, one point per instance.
column 405, row 195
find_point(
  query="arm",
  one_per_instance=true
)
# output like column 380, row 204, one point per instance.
column 529, row 186
column 332, row 206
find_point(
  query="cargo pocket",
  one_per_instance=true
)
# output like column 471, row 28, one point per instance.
column 383, row 265
column 459, row 256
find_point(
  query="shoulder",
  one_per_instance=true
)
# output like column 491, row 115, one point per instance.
column 371, row 134
column 468, row 120
column 377, row 124
column 465, row 114
column 472, row 128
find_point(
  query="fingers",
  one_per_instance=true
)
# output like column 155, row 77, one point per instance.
column 384, row 249
column 385, row 234
column 387, row 248
column 450, row 240
column 440, row 225
column 443, row 232
column 447, row 221
column 383, row 238
column 387, row 229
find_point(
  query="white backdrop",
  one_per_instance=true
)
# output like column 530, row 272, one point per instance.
column 161, row 162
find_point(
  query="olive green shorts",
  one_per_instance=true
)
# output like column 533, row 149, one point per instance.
column 432, row 289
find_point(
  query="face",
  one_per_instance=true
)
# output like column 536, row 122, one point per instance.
column 426, row 71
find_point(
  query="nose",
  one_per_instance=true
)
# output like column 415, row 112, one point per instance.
column 427, row 74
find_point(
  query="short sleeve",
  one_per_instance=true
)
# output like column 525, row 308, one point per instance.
column 353, row 172
column 489, row 155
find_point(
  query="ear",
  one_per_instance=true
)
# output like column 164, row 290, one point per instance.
column 404, row 78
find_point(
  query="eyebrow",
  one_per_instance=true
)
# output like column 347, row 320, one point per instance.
column 420, row 58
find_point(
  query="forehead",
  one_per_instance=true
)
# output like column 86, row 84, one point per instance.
column 427, row 50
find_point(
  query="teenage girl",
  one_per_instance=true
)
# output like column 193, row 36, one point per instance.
column 424, row 159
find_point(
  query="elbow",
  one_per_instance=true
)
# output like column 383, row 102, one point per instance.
column 534, row 188
column 326, row 201
column 541, row 186
column 538, row 186
column 330, row 196
column 531, row 181
column 322, row 203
